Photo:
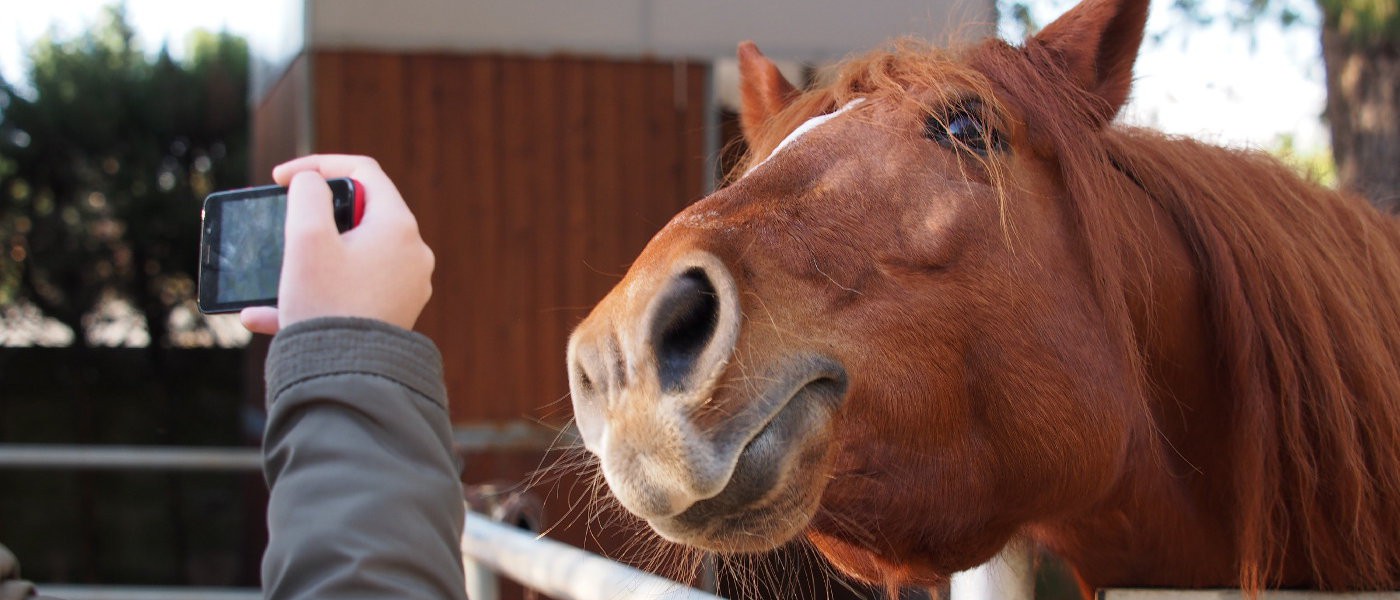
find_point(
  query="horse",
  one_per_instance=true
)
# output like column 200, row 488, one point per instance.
column 947, row 303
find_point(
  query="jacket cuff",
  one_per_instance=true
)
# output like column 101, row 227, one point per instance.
column 352, row 345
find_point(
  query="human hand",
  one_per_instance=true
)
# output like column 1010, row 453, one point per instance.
column 381, row 269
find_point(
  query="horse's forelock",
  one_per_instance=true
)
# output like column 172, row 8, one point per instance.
column 906, row 66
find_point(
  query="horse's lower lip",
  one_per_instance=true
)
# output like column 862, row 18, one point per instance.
column 762, row 492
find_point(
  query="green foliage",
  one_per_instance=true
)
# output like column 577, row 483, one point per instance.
column 103, row 161
column 1315, row 164
column 1242, row 14
column 1365, row 22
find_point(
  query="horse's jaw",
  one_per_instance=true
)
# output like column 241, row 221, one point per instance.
column 887, row 522
column 767, row 467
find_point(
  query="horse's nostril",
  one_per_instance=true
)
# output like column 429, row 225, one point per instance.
column 585, row 383
column 588, row 386
column 685, row 319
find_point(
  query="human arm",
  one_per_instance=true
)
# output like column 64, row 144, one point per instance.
column 365, row 501
column 364, row 497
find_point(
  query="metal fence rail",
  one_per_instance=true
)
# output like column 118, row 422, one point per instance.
column 1010, row 575
column 490, row 548
column 472, row 438
column 560, row 570
column 140, row 458
column 107, row 592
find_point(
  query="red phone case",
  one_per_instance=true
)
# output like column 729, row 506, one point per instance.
column 359, row 201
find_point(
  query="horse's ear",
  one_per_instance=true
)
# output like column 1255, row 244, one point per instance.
column 764, row 91
column 1098, row 42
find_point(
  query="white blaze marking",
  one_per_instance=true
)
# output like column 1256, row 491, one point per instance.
column 802, row 130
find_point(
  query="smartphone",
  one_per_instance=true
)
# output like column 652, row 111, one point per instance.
column 240, row 254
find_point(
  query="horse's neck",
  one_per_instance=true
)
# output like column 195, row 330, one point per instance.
column 1168, row 520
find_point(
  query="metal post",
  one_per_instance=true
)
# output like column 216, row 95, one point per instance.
column 482, row 583
column 1010, row 575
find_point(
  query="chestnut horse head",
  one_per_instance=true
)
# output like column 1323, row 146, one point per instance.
column 949, row 304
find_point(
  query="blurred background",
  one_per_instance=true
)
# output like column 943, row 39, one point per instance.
column 541, row 144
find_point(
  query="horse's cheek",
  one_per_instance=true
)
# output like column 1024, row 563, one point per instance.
column 1056, row 421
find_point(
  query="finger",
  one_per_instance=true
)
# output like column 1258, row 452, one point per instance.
column 342, row 164
column 310, row 213
column 380, row 194
column 282, row 174
column 259, row 319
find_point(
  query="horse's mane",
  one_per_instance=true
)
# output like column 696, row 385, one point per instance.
column 1302, row 286
column 1303, row 291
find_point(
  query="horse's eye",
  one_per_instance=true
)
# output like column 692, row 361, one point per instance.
column 963, row 129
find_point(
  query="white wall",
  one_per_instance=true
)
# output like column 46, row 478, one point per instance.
column 807, row 30
column 810, row 31
column 275, row 43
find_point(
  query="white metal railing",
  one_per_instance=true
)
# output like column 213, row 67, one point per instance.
column 490, row 548
column 107, row 592
column 134, row 458
column 556, row 569
column 1010, row 575
column 564, row 572
column 510, row 436
column 141, row 458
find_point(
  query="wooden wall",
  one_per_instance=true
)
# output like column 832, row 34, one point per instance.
column 535, row 181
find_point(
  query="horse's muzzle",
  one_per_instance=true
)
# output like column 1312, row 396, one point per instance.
column 710, row 453
column 648, row 356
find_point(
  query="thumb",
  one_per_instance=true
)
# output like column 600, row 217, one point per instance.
column 310, row 213
column 260, row 319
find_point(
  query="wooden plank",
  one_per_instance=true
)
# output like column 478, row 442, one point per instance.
column 367, row 91
column 536, row 181
column 383, row 100
column 663, row 150
column 693, row 159
column 455, row 292
column 421, row 180
column 605, row 243
column 328, row 72
column 550, row 335
column 517, row 278
column 636, row 120
column 484, row 143
column 577, row 138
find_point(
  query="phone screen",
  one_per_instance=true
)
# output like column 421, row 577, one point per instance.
column 250, row 248
column 241, row 243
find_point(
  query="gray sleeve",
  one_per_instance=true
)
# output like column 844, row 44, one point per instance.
column 365, row 500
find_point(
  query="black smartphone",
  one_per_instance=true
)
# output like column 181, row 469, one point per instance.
column 240, row 253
